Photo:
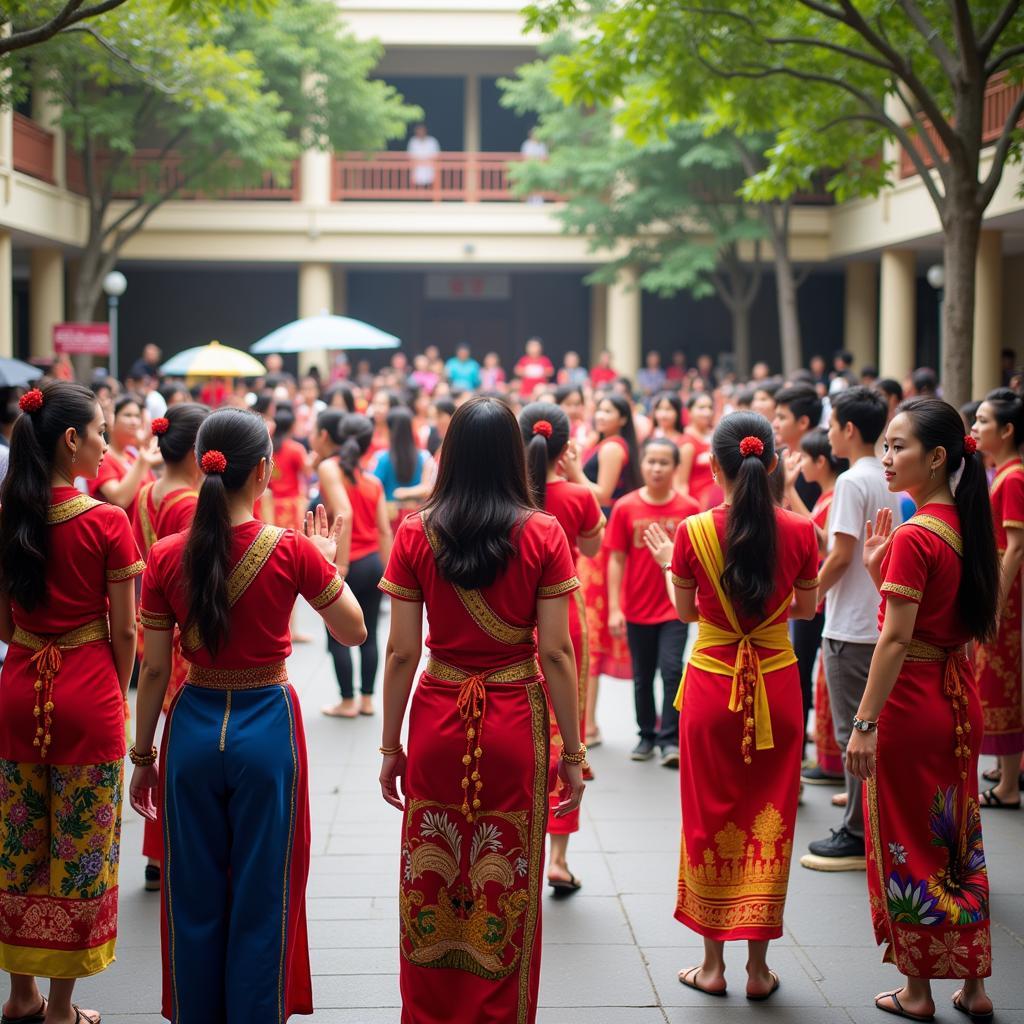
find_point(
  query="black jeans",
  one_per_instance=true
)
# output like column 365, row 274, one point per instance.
column 363, row 576
column 806, row 641
column 652, row 648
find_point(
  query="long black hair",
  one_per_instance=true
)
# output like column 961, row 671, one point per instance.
column 677, row 407
column 402, row 446
column 481, row 493
column 355, row 432
column 25, row 497
column 284, row 420
column 936, row 424
column 1008, row 408
column 543, row 445
column 631, row 470
column 751, row 534
column 241, row 436
column 183, row 423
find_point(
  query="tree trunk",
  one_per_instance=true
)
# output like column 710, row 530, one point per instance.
column 960, row 252
column 789, row 315
column 741, row 337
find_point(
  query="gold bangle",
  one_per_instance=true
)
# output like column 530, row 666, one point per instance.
column 142, row 760
column 390, row 751
column 579, row 757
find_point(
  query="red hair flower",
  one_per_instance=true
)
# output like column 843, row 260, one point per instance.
column 970, row 445
column 160, row 426
column 751, row 445
column 542, row 427
column 31, row 401
column 213, row 461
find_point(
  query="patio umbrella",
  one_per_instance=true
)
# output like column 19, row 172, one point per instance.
column 15, row 374
column 324, row 332
column 213, row 360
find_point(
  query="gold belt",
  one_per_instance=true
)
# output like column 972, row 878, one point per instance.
column 237, row 678
column 921, row 650
column 48, row 659
column 472, row 706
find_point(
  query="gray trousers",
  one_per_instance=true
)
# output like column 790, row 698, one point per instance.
column 846, row 672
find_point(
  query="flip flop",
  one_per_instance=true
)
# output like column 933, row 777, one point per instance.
column 957, row 1005
column 81, row 1019
column 563, row 887
column 993, row 775
column 685, row 979
column 897, row 1007
column 989, row 799
column 767, row 995
column 329, row 712
column 32, row 1018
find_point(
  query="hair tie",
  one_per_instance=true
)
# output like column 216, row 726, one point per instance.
column 213, row 462
column 970, row 445
column 160, row 426
column 31, row 401
column 751, row 445
column 542, row 427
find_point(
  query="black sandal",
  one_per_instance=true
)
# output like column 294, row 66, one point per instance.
column 989, row 799
column 957, row 1005
column 80, row 1019
column 897, row 1007
column 33, row 1018
column 562, row 887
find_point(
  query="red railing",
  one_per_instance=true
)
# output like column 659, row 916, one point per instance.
column 453, row 177
column 1000, row 97
column 33, row 149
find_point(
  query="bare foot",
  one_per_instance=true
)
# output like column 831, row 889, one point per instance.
column 761, row 982
column 343, row 709
column 703, row 980
column 559, row 873
column 920, row 1006
column 365, row 705
column 839, row 800
column 84, row 1016
column 15, row 1008
column 301, row 638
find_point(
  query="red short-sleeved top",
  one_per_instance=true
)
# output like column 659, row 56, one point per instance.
column 644, row 597
column 288, row 480
column 541, row 568
column 259, row 633
column 364, row 495
column 114, row 469
column 923, row 564
column 1007, row 496
column 576, row 509
column 173, row 515
column 796, row 566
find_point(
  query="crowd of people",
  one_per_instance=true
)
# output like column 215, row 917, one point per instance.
column 849, row 549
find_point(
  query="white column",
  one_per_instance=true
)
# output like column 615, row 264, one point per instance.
column 316, row 296
column 45, row 298
column 471, row 115
column 315, row 176
column 860, row 315
column 988, row 314
column 623, row 325
column 6, row 296
column 598, row 323
column 897, row 320
column 339, row 281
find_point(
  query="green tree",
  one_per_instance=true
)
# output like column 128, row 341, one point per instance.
column 230, row 100
column 832, row 80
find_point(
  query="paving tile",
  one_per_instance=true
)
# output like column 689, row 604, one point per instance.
column 602, row 976
column 586, row 920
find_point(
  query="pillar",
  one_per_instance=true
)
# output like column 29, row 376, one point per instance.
column 45, row 298
column 339, row 281
column 988, row 314
column 860, row 318
column 471, row 115
column 316, row 296
column 6, row 296
column 623, row 324
column 315, row 176
column 598, row 323
column 897, row 319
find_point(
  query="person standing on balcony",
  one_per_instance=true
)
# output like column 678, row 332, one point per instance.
column 423, row 149
column 534, row 149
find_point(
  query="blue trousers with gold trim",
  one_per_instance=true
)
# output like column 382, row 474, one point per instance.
column 236, row 857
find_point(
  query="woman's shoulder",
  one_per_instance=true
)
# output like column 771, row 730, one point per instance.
column 794, row 524
column 615, row 441
column 167, row 550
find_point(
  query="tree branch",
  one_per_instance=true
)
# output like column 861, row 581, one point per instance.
column 931, row 36
column 933, row 151
column 991, row 182
column 120, row 55
column 997, row 62
column 995, row 30
column 69, row 14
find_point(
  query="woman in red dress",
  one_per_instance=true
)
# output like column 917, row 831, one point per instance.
column 917, row 730
column 999, row 433
column 164, row 508
column 125, row 467
column 695, row 475
column 67, row 569
column 739, row 571
column 495, row 575
column 288, row 490
column 545, row 429
column 232, row 767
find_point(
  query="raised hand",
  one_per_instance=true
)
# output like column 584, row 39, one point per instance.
column 877, row 535
column 149, row 453
column 658, row 543
column 325, row 537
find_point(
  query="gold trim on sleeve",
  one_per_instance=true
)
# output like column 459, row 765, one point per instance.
column 155, row 620
column 395, row 590
column 683, row 583
column 806, row 584
column 1013, row 524
column 327, row 595
column 558, row 589
column 65, row 510
column 119, row 575
column 901, row 591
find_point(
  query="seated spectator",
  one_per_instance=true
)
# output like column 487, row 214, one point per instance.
column 676, row 371
column 572, row 374
column 533, row 369
column 651, row 378
column 492, row 376
column 422, row 375
column 603, row 374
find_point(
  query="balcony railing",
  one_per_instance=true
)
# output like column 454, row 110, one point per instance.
column 33, row 149
column 999, row 100
column 450, row 177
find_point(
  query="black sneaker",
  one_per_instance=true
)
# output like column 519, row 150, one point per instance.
column 669, row 756
column 152, row 878
column 815, row 776
column 842, row 851
column 643, row 751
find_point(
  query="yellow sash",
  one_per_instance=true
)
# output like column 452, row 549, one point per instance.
column 748, row 669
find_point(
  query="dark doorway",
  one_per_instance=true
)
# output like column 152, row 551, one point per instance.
column 442, row 100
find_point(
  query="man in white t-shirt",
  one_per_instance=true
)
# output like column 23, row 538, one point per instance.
column 856, row 421
column 423, row 148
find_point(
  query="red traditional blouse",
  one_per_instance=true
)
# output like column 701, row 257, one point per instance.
column 1007, row 497
column 272, row 567
column 288, row 479
column 174, row 514
column 576, row 509
column 114, row 469
column 364, row 496
column 506, row 611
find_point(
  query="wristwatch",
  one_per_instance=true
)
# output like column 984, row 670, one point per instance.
column 862, row 726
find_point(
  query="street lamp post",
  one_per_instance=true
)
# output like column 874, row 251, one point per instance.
column 936, row 277
column 114, row 285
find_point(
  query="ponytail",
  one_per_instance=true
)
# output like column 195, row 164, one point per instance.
column 241, row 439
column 744, row 446
column 545, row 430
column 355, row 432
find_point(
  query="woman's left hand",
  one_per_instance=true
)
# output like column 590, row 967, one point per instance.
column 315, row 527
column 142, row 788
column 860, row 754
column 392, row 770
column 658, row 543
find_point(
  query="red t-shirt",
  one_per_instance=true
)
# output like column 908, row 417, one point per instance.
column 576, row 509
column 644, row 597
column 174, row 514
column 602, row 375
column 364, row 496
column 535, row 371
column 288, row 480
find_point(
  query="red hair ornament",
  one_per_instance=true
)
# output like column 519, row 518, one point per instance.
column 751, row 445
column 31, row 401
column 543, row 428
column 970, row 445
column 213, row 462
column 160, row 426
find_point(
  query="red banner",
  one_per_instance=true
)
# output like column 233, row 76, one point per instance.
column 82, row 339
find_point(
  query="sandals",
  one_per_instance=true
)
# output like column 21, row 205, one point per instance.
column 80, row 1018
column 993, row 775
column 32, row 1018
column 562, row 887
column 957, row 1005
column 897, row 1007
column 767, row 995
column 689, row 979
column 989, row 799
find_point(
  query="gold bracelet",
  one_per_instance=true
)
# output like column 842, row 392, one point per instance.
column 580, row 757
column 390, row 751
column 142, row 760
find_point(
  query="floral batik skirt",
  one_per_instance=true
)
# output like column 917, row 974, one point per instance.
column 60, row 832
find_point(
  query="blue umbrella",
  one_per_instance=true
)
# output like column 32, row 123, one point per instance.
column 15, row 374
column 318, row 333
